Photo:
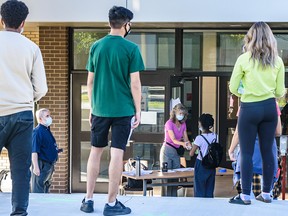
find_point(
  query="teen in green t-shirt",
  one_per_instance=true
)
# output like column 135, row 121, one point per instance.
column 114, row 91
column 261, row 71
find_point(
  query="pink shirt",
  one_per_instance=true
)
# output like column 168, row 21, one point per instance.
column 178, row 132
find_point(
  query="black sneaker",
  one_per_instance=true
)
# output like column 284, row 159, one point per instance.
column 118, row 209
column 87, row 206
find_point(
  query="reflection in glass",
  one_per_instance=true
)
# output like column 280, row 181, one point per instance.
column 282, row 44
column 192, row 50
column 229, row 49
column 148, row 152
column 82, row 41
column 157, row 49
column 153, row 102
column 233, row 103
column 85, row 151
column 85, row 109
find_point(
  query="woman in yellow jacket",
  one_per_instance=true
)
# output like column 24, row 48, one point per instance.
column 261, row 72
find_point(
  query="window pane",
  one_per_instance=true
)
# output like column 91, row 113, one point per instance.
column 152, row 106
column 229, row 48
column 149, row 154
column 157, row 49
column 282, row 43
column 82, row 41
column 192, row 50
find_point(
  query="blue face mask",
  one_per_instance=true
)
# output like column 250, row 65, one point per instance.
column 48, row 121
column 180, row 117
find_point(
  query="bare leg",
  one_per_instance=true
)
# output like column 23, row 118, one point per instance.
column 93, row 167
column 115, row 172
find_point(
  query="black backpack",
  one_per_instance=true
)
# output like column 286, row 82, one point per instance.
column 214, row 154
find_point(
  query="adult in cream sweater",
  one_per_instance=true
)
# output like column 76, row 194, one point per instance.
column 22, row 82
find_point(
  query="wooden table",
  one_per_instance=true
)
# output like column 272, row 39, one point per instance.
column 157, row 174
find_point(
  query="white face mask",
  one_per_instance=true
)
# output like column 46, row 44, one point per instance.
column 201, row 129
column 180, row 117
column 48, row 121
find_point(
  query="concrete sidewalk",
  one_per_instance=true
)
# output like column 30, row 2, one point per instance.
column 69, row 205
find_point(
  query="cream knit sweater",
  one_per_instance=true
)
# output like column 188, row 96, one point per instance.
column 22, row 73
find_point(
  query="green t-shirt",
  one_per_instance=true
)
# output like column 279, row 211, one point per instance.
column 259, row 83
column 112, row 59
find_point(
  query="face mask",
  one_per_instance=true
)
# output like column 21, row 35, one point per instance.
column 180, row 117
column 201, row 129
column 22, row 30
column 127, row 32
column 48, row 121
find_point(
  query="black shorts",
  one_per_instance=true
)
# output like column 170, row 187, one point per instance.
column 120, row 128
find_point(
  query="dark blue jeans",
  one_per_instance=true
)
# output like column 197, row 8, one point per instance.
column 16, row 137
column 42, row 183
column 257, row 118
column 204, row 180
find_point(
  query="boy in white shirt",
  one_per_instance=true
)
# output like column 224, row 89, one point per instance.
column 204, row 179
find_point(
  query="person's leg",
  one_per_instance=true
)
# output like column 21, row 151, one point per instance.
column 199, row 180
column 38, row 181
column 176, row 165
column 93, row 167
column 48, row 179
column 266, row 133
column 247, row 128
column 210, row 184
column 19, row 150
column 164, row 158
column 121, row 128
column 99, row 139
column 115, row 172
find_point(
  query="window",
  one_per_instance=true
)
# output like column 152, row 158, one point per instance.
column 152, row 107
column 192, row 54
column 282, row 43
column 157, row 49
column 82, row 41
column 229, row 48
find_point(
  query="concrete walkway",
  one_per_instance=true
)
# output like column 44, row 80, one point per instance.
column 69, row 204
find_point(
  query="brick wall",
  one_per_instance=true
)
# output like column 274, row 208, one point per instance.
column 53, row 42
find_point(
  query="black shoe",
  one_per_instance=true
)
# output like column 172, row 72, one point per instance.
column 87, row 206
column 118, row 209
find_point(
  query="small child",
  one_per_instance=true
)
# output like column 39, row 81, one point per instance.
column 204, row 179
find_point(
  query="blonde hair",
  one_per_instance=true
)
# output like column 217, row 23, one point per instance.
column 262, row 44
column 178, row 107
column 40, row 113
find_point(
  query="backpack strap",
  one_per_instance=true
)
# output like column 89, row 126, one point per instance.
column 207, row 143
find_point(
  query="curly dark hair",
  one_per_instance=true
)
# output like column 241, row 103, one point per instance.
column 118, row 16
column 13, row 13
column 206, row 121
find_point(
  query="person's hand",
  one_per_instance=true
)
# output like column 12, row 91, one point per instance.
column 231, row 156
column 188, row 145
column 36, row 171
column 136, row 120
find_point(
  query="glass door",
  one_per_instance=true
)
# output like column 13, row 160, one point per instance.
column 186, row 88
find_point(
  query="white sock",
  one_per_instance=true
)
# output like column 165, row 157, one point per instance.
column 88, row 199
column 245, row 197
column 266, row 196
column 112, row 203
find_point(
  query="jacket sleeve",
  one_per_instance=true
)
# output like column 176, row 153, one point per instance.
column 236, row 77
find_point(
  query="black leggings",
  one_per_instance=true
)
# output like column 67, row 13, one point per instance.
column 257, row 117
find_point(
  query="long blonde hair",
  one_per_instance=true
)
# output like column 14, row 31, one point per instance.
column 262, row 44
column 179, row 107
